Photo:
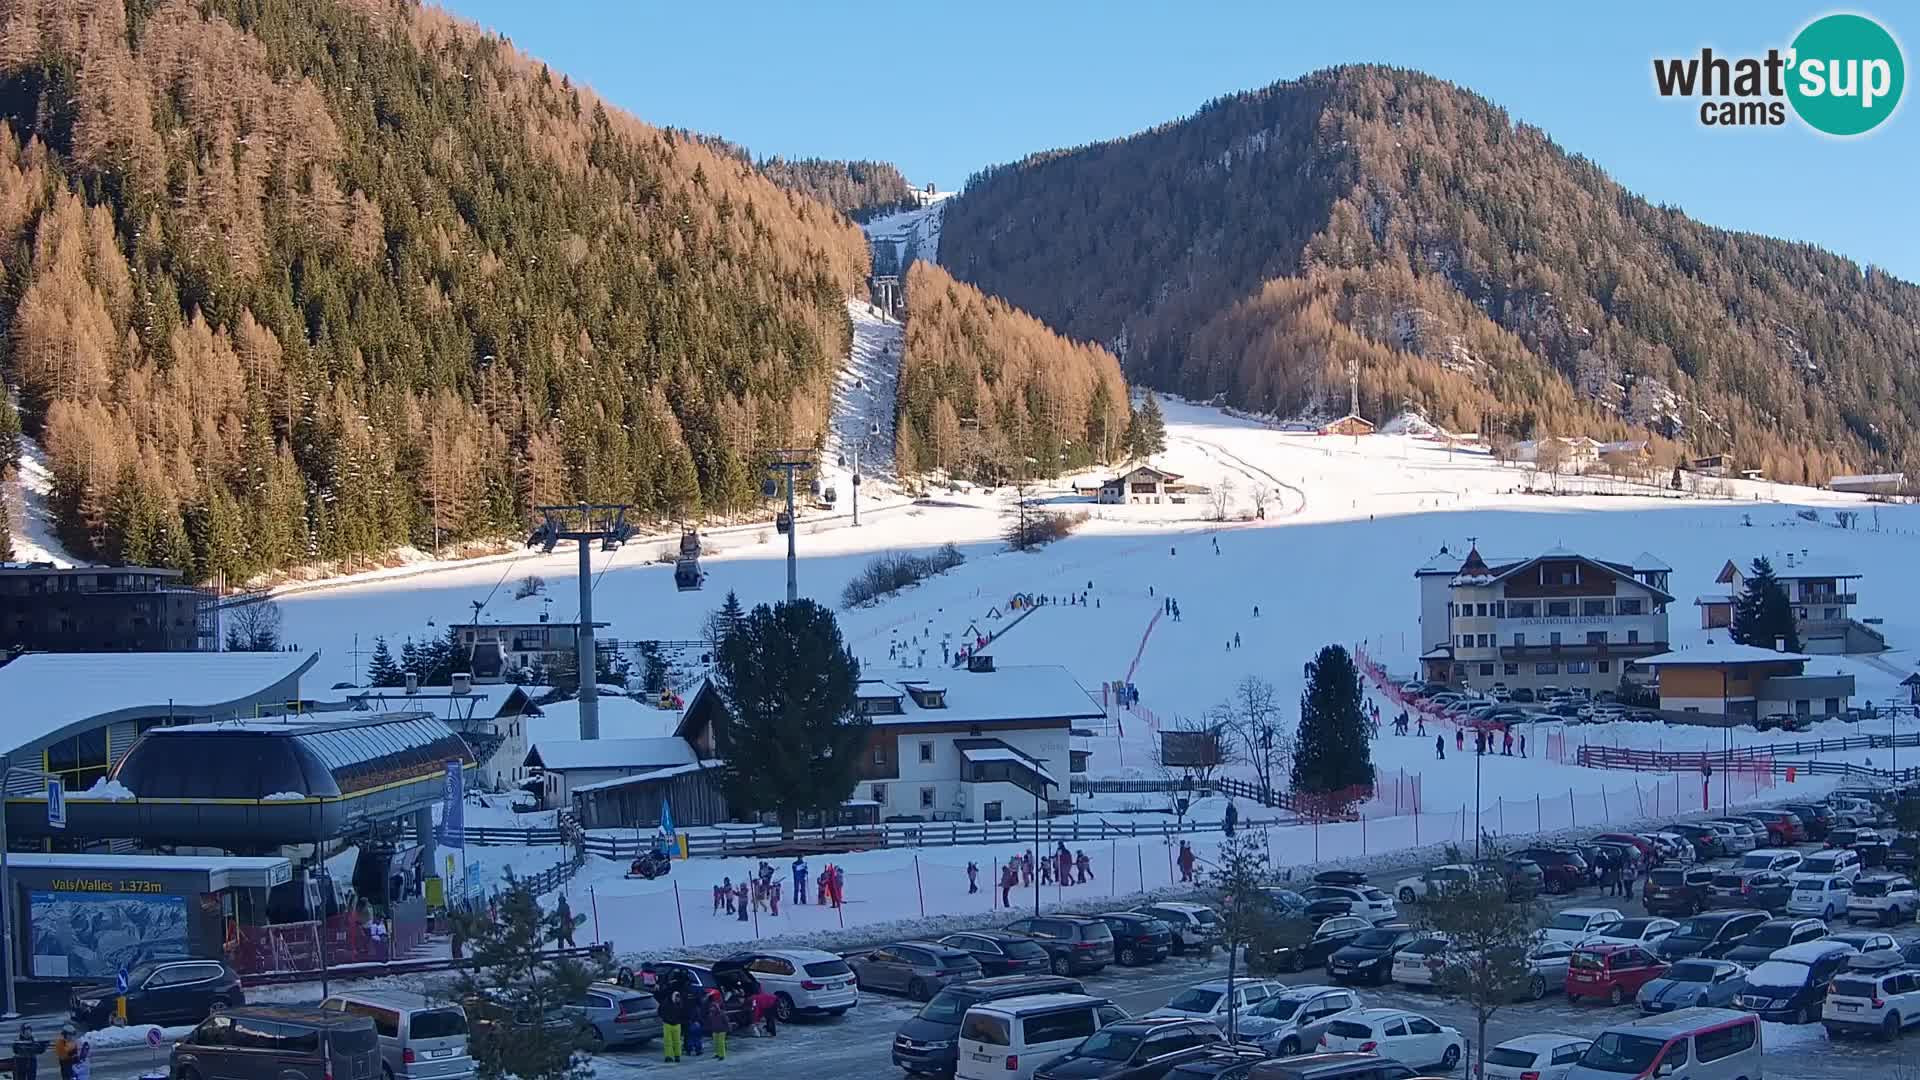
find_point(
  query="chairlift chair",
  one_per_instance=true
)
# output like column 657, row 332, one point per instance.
column 687, row 575
column 873, row 428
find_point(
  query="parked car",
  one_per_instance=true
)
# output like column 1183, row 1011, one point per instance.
column 1871, row 846
column 1883, row 898
column 1406, row 1037
column 918, row 969
column 1562, row 870
column 1339, row 877
column 497, row 1012
column 1822, row 895
column 1327, row 937
column 1013, row 1038
column 1736, row 837
column 1816, row 818
column 1219, row 1063
column 1209, row 1000
column 1770, row 891
column 1428, row 883
column 1338, row 1066
column 1319, row 911
column 1791, row 987
column 803, row 982
column 1677, row 890
column 278, row 1042
column 1876, row 949
column 162, row 992
column 1285, row 904
column 1195, row 927
column 928, row 1041
column 1548, row 961
column 1646, row 932
column 1669, row 847
column 1369, row 957
column 1547, row 1056
column 1367, row 901
column 1733, row 884
column 1903, row 854
column 1420, row 963
column 1772, row 936
column 1294, row 1017
column 1575, row 925
column 1001, row 953
column 610, row 1015
column 1613, row 972
column 1882, row 1003
column 422, row 1039
column 1780, row 862
column 1143, row 1049
column 1686, row 1044
column 1711, row 936
column 730, row 977
column 1137, row 939
column 1693, row 983
column 1648, row 854
column 1706, row 841
column 1524, row 878
column 1783, row 826
column 1075, row 944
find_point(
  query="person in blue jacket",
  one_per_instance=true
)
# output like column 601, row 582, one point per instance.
column 799, row 879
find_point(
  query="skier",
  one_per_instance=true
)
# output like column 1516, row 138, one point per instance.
column 1231, row 819
column 565, row 913
column 718, row 1023
column 1523, row 744
column 973, row 877
column 1063, row 860
column 740, row 894
column 1171, row 551
column 1506, row 745
column 726, row 892
column 1236, row 644
column 1439, row 747
column 670, row 1000
column 773, row 898
column 1186, row 862
column 1460, row 738
column 799, row 879
column 1009, row 877
column 1085, row 867
column 717, row 890
column 1046, row 871
column 1256, row 611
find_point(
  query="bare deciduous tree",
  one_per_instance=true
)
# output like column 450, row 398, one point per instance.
column 1222, row 498
column 1260, row 497
column 254, row 627
column 1252, row 721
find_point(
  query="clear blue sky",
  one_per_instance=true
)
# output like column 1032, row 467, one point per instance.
column 941, row 90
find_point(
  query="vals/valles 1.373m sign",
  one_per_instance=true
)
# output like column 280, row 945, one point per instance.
column 1842, row 75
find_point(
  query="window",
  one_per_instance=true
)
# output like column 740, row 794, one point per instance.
column 1394, row 1028
column 770, row 965
column 1578, row 667
column 1561, row 608
column 1830, row 613
column 985, row 1028
column 1466, row 641
column 1546, row 667
column 1420, row 1025
column 1499, row 609
column 1604, row 666
column 1523, row 609
column 1519, row 641
column 1628, row 605
column 1480, row 610
column 1594, row 607
column 1596, row 637
column 1554, row 638
column 879, row 754
column 1725, row 1042
column 1484, row 641
column 1486, row 669
column 926, row 798
column 880, row 794
column 1633, row 637
column 1511, row 669
column 1048, row 1027
column 926, row 752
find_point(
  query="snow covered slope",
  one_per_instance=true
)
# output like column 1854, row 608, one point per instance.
column 34, row 538
column 911, row 234
column 864, row 400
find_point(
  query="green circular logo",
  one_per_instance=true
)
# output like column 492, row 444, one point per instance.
column 1847, row 74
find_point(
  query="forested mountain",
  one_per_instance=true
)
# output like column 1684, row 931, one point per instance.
column 1474, row 270
column 294, row 279
column 989, row 392
column 858, row 189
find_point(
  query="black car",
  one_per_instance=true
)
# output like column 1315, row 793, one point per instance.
column 1001, row 953
column 1812, row 822
column 1137, row 939
column 928, row 1042
column 1329, row 937
column 1773, row 935
column 1320, row 911
column 168, row 993
column 1219, row 1063
column 1706, row 843
column 1143, row 1049
column 1369, row 957
column 1563, row 869
column 1350, row 878
column 1873, row 845
column 1678, row 891
column 1770, row 890
column 1903, row 854
column 1075, row 944
column 1711, row 936
column 1792, row 992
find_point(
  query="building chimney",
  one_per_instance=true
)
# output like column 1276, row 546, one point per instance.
column 1779, row 644
column 413, row 683
column 462, row 682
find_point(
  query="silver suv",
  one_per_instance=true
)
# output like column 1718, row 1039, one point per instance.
column 615, row 1015
column 918, row 969
column 419, row 1039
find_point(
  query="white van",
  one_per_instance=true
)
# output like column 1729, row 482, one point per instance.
column 1698, row 1044
column 1008, row 1039
column 1821, row 895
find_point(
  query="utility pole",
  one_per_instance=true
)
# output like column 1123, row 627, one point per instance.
column 584, row 522
column 789, row 462
column 856, row 485
column 12, row 1007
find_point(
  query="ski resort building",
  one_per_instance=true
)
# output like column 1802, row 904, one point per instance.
column 1140, row 484
column 1823, row 592
column 1870, row 484
column 492, row 719
column 560, row 766
column 1746, row 683
column 496, row 650
column 103, row 609
column 1555, row 620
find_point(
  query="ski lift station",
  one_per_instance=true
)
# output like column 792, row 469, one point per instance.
column 218, row 754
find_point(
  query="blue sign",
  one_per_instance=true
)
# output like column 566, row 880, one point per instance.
column 453, row 818
column 56, row 804
column 120, row 980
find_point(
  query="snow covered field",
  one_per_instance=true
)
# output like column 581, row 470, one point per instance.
column 1347, row 522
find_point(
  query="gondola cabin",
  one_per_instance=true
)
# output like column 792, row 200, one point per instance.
column 687, row 575
column 783, row 522
column 689, row 544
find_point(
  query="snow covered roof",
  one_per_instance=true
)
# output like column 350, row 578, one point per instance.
column 1016, row 692
column 562, row 754
column 1725, row 652
column 483, row 702
column 1812, row 566
column 1006, row 753
column 49, row 692
column 223, row 871
column 1712, row 598
column 1476, row 573
column 621, row 717
column 1449, row 564
column 650, row 775
column 1648, row 561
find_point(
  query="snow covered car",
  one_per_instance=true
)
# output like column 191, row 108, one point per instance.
column 1367, row 901
column 1575, row 925
column 1294, row 1018
column 1840, row 862
column 1885, row 898
column 1405, row 1037
column 1692, row 983
column 1877, row 949
column 1548, row 1056
column 1648, row 931
column 1822, row 895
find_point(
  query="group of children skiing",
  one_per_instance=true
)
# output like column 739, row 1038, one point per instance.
column 759, row 892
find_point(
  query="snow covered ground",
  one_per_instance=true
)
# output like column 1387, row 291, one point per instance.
column 27, row 494
column 912, row 234
column 1347, row 522
column 863, row 402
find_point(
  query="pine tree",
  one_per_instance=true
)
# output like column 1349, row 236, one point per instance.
column 6, row 532
column 1332, row 753
column 511, row 967
column 1762, row 615
column 381, row 670
column 9, row 431
column 410, row 660
column 793, row 742
column 1147, row 430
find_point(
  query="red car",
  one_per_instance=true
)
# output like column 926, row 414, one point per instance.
column 1783, row 827
column 1613, row 972
column 1648, row 856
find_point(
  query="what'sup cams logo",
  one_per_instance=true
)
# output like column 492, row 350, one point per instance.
column 1842, row 76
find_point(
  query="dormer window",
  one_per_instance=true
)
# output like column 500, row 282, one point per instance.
column 928, row 697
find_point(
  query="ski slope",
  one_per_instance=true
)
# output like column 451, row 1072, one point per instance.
column 911, row 234
column 27, row 495
column 864, row 401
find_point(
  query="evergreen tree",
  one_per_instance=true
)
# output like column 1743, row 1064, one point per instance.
column 793, row 742
column 1332, row 753
column 410, row 661
column 510, row 965
column 1762, row 616
column 6, row 532
column 381, row 670
column 1147, row 430
column 9, row 431
column 725, row 620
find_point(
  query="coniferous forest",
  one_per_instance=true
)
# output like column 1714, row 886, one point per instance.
column 988, row 392
column 288, row 280
column 1476, row 271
